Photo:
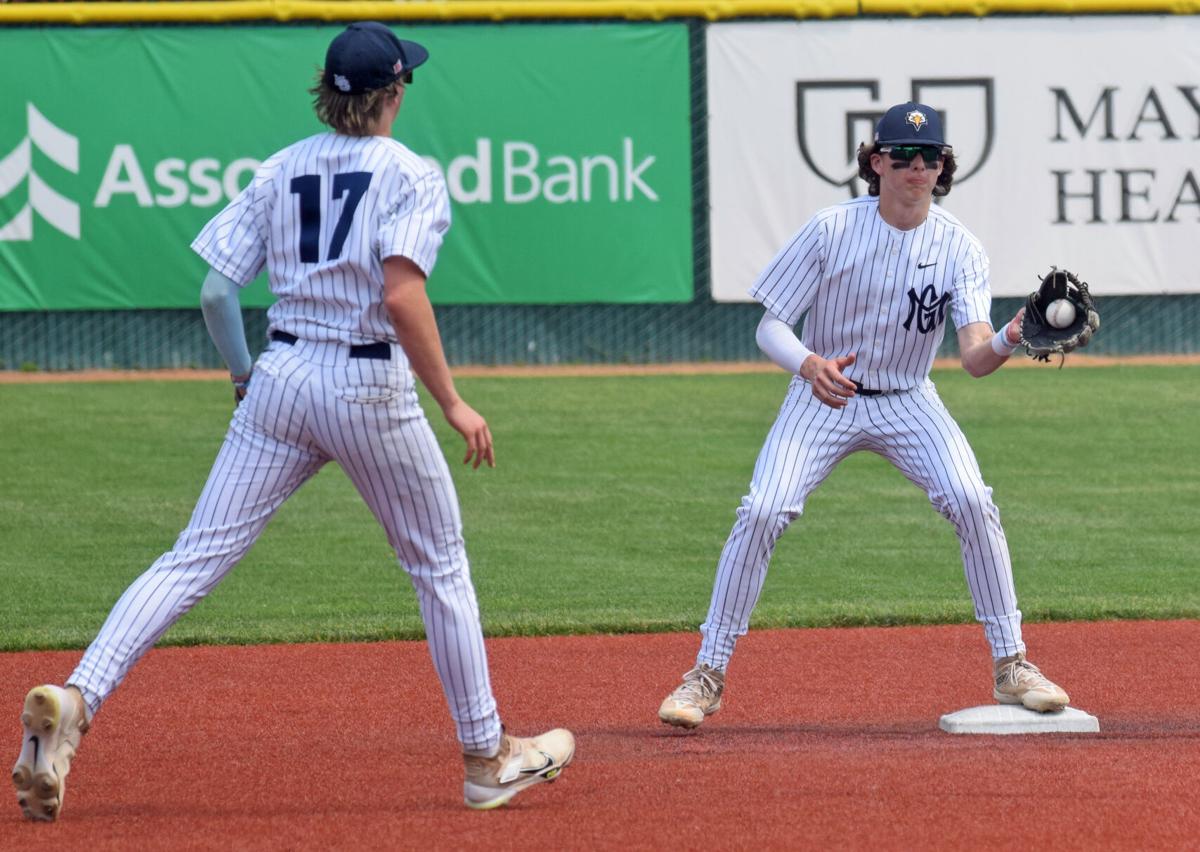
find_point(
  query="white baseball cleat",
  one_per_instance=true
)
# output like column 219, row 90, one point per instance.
column 520, row 763
column 697, row 697
column 1019, row 681
column 54, row 720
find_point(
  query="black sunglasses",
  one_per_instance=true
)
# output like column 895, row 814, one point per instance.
column 406, row 78
column 906, row 153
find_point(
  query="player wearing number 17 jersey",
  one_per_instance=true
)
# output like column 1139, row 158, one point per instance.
column 348, row 225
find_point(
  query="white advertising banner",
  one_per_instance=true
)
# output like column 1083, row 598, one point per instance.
column 1077, row 139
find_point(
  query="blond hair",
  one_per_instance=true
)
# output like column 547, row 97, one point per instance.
column 350, row 115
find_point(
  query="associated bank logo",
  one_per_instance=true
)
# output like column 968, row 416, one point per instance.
column 17, row 167
column 834, row 116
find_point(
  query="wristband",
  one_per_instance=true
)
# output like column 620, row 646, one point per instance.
column 1000, row 344
column 240, row 386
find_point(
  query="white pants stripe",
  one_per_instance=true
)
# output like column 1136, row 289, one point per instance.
column 914, row 431
column 308, row 404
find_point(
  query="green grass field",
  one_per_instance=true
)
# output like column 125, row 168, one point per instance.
column 609, row 507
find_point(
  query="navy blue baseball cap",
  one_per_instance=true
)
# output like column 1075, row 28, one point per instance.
column 367, row 56
column 910, row 124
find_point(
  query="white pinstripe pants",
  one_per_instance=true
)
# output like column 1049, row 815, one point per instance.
column 914, row 431
column 310, row 403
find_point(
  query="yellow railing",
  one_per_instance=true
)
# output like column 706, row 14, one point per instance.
column 979, row 8
column 207, row 11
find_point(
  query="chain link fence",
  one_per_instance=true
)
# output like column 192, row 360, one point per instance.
column 531, row 335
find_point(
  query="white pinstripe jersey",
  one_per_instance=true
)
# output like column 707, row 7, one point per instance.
column 877, row 291
column 323, row 214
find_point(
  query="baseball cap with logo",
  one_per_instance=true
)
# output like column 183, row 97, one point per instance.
column 910, row 124
column 367, row 56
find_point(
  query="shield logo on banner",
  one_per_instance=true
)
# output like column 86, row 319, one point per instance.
column 829, row 133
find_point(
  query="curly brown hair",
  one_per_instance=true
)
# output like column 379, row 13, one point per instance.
column 942, row 187
column 350, row 115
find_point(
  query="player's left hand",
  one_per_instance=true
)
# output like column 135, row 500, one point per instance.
column 1040, row 336
column 470, row 424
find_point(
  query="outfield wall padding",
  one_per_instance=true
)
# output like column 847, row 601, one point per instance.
column 692, row 328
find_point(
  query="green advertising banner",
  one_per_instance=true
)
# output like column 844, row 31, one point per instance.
column 566, row 150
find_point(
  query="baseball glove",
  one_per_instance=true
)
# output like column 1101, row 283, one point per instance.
column 1038, row 336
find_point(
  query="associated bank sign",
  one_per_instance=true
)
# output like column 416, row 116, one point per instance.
column 554, row 189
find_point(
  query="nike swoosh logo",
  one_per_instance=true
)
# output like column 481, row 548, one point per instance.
column 538, row 770
column 926, row 265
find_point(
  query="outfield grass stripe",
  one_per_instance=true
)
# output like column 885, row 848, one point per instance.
column 608, row 509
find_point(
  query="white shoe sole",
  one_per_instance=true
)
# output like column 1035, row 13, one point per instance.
column 1030, row 702
column 677, row 719
column 39, row 787
column 480, row 798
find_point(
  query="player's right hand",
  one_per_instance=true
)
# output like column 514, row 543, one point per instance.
column 829, row 385
column 241, row 384
column 470, row 424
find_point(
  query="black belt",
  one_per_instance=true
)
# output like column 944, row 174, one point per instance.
column 861, row 391
column 380, row 351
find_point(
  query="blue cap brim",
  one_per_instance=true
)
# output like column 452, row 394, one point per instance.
column 414, row 55
column 914, row 141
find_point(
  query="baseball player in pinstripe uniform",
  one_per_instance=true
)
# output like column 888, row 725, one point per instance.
column 348, row 224
column 877, row 277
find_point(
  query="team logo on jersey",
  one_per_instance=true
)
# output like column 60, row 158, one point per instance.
column 59, row 147
column 927, row 309
column 341, row 82
column 834, row 116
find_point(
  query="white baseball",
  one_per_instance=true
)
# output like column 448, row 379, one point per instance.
column 1060, row 313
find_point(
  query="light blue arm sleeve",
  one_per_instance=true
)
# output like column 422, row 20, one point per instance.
column 223, row 316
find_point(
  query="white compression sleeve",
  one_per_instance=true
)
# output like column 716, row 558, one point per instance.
column 779, row 343
column 223, row 316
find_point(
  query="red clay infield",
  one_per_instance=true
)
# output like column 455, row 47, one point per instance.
column 828, row 739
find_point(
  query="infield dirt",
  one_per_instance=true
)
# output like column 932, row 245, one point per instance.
column 828, row 739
